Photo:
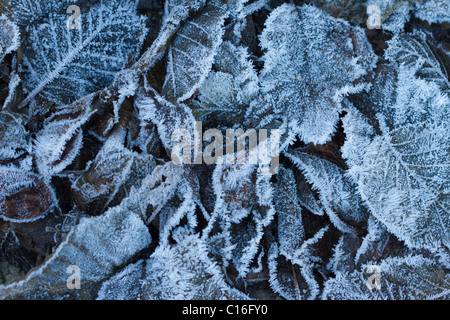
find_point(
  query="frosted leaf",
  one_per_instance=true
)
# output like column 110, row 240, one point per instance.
column 229, row 87
column 239, row 9
column 191, row 54
column 422, row 277
column 176, row 13
column 307, row 197
column 60, row 141
column 295, row 279
column 414, row 51
column 244, row 239
column 413, row 277
column 158, row 188
column 96, row 245
column 234, row 186
column 396, row 13
column 65, row 64
column 408, row 200
column 125, row 285
column 284, row 278
column 402, row 173
column 353, row 11
column 24, row 246
column 165, row 197
column 144, row 136
column 167, row 117
column 433, row 11
column 171, row 7
column 240, row 17
column 393, row 13
column 110, row 175
column 182, row 271
column 243, row 208
column 290, row 228
column 312, row 60
column 172, row 214
column 312, row 257
column 336, row 192
column 9, row 36
column 13, row 138
column 344, row 253
column 374, row 243
column 27, row 12
column 24, row 197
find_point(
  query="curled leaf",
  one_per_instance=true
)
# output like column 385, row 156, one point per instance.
column 24, row 196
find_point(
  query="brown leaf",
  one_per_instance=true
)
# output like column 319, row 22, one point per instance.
column 24, row 196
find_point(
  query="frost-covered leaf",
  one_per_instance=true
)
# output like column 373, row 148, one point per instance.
column 413, row 277
column 14, row 143
column 374, row 244
column 433, row 11
column 158, row 188
column 244, row 207
column 168, row 117
column 311, row 61
column 336, row 192
column 243, row 241
column 299, row 281
column 344, row 253
column 61, row 139
column 182, row 271
column 229, row 87
column 65, row 64
column 234, row 186
column 9, row 36
column 191, row 54
column 394, row 14
column 97, row 246
column 176, row 13
column 27, row 12
column 24, row 197
column 402, row 172
column 290, row 228
column 353, row 11
column 307, row 197
column 165, row 197
column 110, row 175
column 415, row 52
column 312, row 256
column 284, row 278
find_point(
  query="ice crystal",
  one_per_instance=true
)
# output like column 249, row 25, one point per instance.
column 96, row 204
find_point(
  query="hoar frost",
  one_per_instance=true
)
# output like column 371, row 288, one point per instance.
column 88, row 182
